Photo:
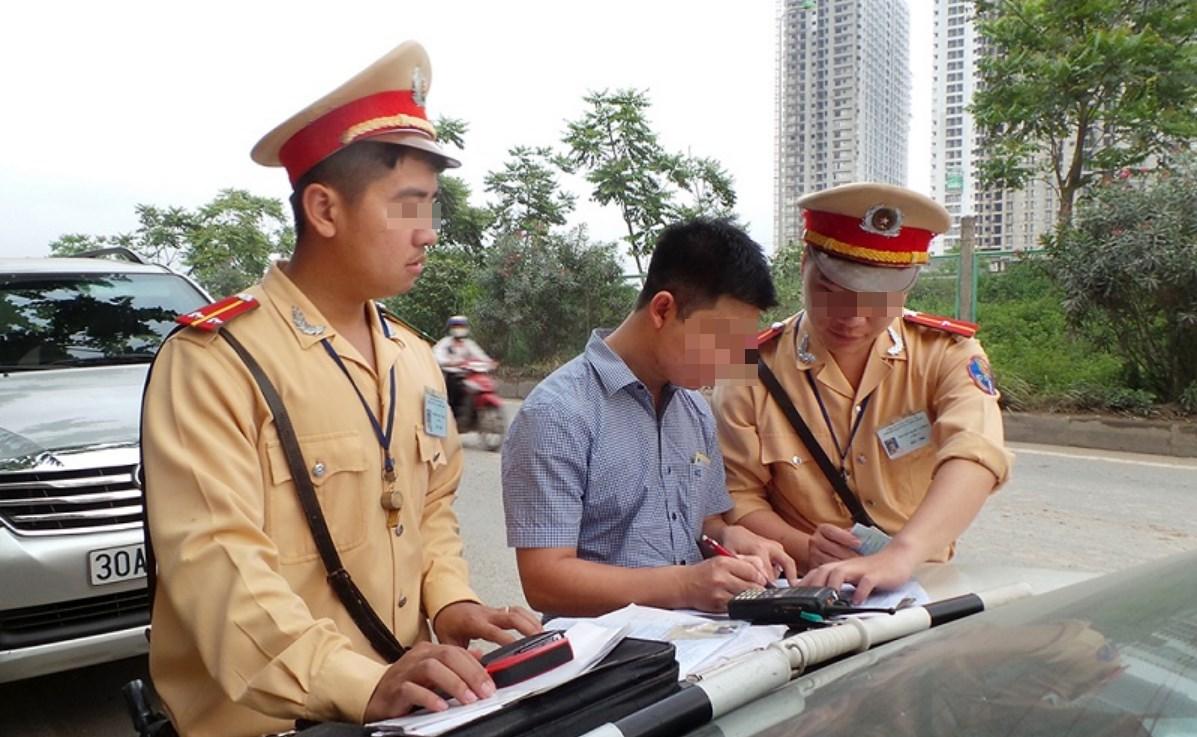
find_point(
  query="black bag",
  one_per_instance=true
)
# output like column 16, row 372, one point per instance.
column 635, row 674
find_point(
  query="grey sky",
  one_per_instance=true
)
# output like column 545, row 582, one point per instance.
column 114, row 103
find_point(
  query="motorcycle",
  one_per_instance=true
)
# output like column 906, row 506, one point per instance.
column 480, row 409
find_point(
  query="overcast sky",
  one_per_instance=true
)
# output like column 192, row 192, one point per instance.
column 109, row 104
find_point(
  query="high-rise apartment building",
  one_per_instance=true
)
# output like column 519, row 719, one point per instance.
column 1005, row 219
column 843, row 99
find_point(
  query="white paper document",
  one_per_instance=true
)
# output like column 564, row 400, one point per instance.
column 590, row 643
column 701, row 642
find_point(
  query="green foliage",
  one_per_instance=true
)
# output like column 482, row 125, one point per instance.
column 235, row 238
column 529, row 199
column 162, row 236
column 447, row 287
column 1128, row 268
column 225, row 245
column 1188, row 399
column 1081, row 90
column 620, row 155
column 539, row 298
column 462, row 224
column 786, row 266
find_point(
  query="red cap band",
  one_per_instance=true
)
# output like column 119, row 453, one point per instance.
column 843, row 236
column 384, row 112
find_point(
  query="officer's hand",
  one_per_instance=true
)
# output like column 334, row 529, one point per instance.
column 463, row 621
column 713, row 582
column 769, row 553
column 414, row 681
column 885, row 570
column 830, row 543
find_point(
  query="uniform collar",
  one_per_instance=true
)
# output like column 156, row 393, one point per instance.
column 304, row 319
column 811, row 355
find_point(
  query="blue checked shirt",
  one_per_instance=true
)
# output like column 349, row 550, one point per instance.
column 587, row 464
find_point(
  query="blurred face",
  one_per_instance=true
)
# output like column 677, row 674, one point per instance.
column 387, row 229
column 709, row 344
column 844, row 320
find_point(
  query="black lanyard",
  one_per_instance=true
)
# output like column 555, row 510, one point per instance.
column 384, row 438
column 860, row 412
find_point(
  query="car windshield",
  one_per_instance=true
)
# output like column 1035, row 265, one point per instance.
column 56, row 321
column 1117, row 657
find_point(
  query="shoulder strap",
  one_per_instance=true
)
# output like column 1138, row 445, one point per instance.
column 380, row 636
column 808, row 439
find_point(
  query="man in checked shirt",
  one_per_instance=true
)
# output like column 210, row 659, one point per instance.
column 612, row 469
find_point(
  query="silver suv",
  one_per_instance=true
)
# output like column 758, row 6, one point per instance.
column 76, row 338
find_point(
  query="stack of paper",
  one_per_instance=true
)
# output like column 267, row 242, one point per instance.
column 590, row 643
column 702, row 642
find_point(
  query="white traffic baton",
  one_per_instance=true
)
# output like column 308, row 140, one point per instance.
column 755, row 674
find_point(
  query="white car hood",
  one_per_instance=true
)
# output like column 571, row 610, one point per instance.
column 47, row 413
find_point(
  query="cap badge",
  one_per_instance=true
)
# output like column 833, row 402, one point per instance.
column 419, row 86
column 882, row 220
column 300, row 321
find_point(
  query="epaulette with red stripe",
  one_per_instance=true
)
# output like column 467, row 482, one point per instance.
column 214, row 316
column 946, row 324
column 770, row 333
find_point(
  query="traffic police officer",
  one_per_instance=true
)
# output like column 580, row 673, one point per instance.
column 902, row 404
column 248, row 634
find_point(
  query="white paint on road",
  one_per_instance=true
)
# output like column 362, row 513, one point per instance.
column 1178, row 464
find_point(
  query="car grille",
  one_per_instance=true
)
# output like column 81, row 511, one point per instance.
column 65, row 620
column 76, row 501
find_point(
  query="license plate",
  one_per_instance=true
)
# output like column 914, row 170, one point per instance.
column 112, row 565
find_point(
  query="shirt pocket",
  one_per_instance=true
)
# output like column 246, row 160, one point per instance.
column 430, row 449
column 336, row 465
column 798, row 489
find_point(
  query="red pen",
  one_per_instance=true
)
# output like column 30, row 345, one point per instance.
column 717, row 549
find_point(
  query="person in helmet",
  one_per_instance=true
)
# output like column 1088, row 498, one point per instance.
column 454, row 351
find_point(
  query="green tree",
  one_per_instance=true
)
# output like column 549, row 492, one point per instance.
column 1079, row 90
column 462, row 224
column 225, row 245
column 539, row 298
column 786, row 265
column 617, row 149
column 530, row 201
column 236, row 237
column 161, row 237
column 447, row 287
column 1128, row 268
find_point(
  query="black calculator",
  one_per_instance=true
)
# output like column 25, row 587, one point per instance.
column 784, row 605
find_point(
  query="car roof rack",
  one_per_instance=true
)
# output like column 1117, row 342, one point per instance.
column 122, row 251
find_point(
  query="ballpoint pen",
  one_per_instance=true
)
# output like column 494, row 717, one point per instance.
column 717, row 549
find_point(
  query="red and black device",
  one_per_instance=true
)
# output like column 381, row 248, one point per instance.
column 527, row 658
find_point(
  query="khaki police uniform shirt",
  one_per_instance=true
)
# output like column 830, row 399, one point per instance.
column 911, row 369
column 247, row 634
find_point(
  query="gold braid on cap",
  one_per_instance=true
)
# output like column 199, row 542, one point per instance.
column 401, row 120
column 858, row 253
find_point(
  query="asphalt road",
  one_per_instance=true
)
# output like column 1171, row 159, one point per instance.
column 1064, row 508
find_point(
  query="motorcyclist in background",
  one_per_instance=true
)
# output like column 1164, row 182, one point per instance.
column 452, row 353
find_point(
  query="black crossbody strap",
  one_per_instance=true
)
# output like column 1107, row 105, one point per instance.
column 808, row 439
column 380, row 636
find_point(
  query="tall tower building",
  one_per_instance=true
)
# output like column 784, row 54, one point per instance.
column 1005, row 219
column 843, row 99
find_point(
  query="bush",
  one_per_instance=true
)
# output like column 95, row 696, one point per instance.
column 1128, row 268
column 447, row 287
column 1188, row 399
column 539, row 297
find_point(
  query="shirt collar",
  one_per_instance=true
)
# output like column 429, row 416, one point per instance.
column 612, row 371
